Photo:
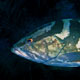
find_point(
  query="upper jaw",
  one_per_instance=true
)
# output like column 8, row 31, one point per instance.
column 19, row 52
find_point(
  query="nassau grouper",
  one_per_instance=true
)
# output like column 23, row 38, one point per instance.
column 56, row 43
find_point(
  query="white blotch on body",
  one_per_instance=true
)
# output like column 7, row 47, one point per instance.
column 78, row 45
column 73, row 37
column 66, row 29
column 69, row 44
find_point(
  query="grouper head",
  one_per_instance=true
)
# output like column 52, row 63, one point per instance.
column 48, row 43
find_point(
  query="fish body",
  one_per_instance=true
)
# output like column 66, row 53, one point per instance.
column 54, row 44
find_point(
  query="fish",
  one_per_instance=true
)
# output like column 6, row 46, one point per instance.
column 56, row 43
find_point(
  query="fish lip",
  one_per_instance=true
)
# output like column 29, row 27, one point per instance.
column 25, row 55
column 19, row 52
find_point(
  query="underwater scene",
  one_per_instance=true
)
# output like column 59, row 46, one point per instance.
column 56, row 43
column 39, row 39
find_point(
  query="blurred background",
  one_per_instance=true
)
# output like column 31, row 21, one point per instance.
column 17, row 19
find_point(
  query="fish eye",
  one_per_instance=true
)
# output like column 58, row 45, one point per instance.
column 30, row 40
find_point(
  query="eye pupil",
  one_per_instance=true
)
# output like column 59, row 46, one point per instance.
column 30, row 40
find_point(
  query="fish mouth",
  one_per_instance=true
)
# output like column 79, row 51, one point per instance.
column 19, row 52
column 28, row 55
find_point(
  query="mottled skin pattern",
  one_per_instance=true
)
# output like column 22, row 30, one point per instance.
column 48, row 41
